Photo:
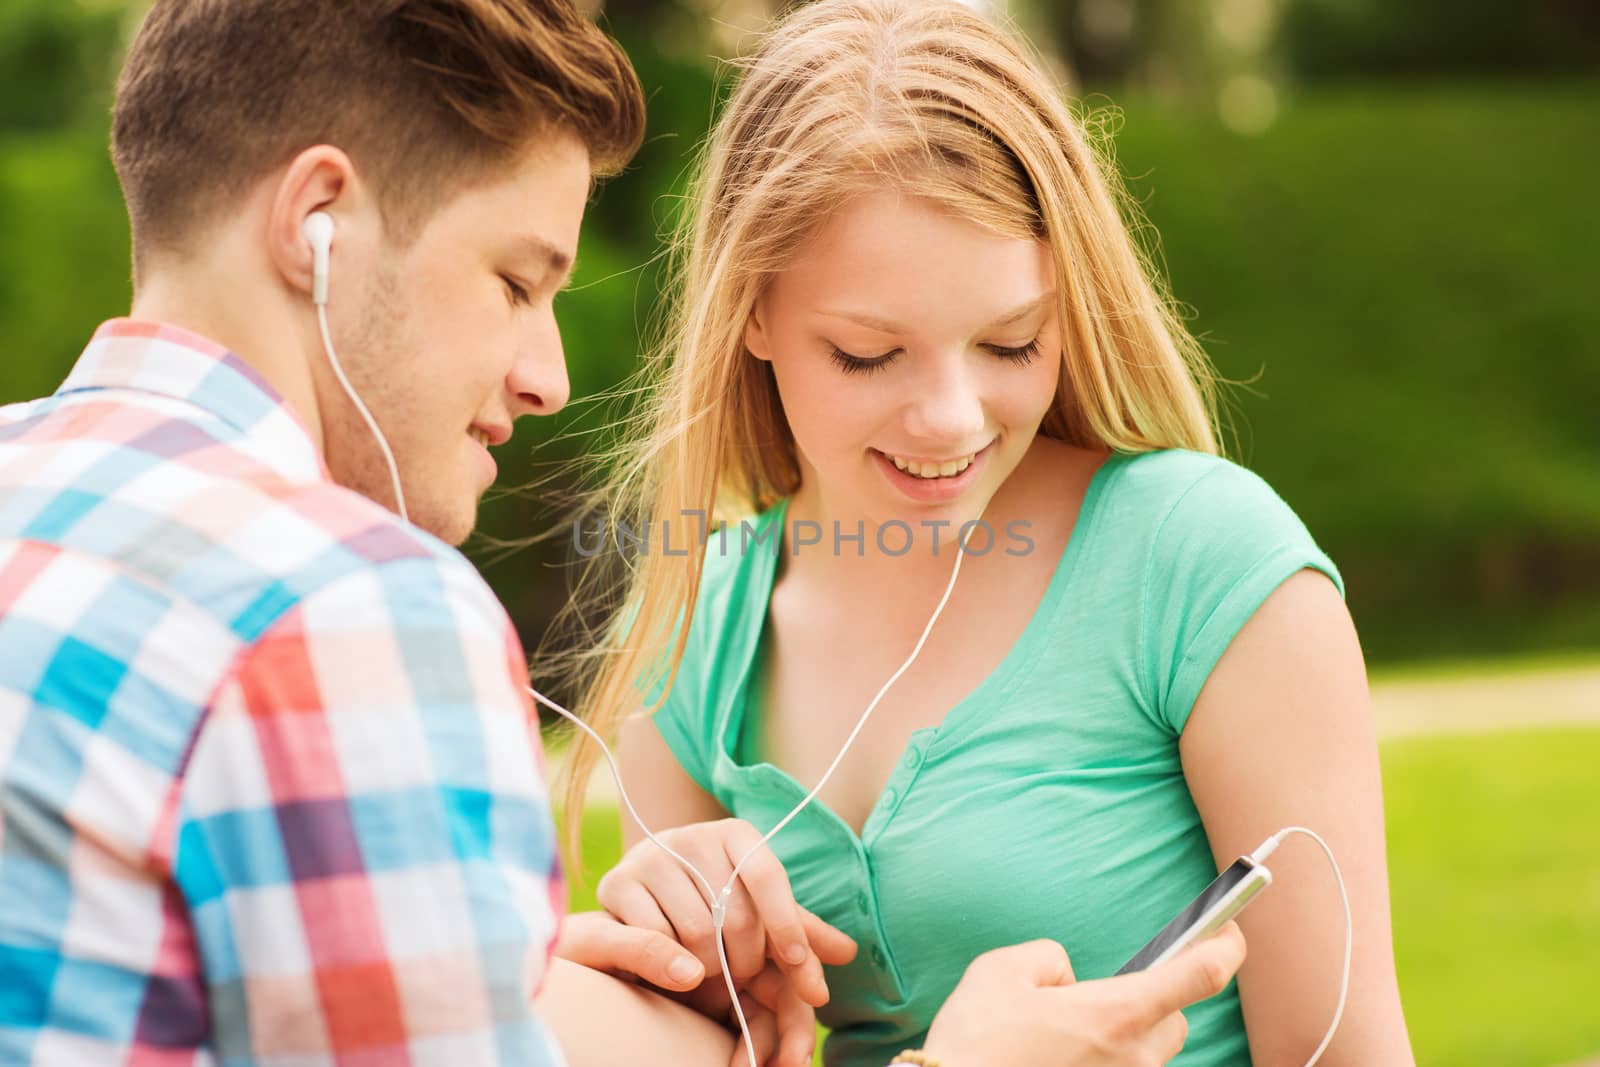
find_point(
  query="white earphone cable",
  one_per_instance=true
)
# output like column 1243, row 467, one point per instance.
column 718, row 901
column 1267, row 848
column 949, row 588
column 372, row 424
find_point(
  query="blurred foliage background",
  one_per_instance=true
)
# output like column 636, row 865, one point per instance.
column 1382, row 216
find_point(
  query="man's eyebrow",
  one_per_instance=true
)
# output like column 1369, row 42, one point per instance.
column 555, row 259
column 872, row 322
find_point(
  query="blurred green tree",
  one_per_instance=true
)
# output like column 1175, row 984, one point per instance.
column 1362, row 38
column 54, row 60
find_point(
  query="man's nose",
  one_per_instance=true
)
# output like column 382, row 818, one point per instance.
column 538, row 381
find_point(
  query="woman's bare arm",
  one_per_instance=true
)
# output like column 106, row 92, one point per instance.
column 1282, row 734
column 658, row 785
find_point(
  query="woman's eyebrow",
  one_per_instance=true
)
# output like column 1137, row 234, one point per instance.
column 1024, row 310
column 873, row 322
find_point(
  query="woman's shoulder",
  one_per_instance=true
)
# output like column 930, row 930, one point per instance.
column 1172, row 472
column 1173, row 512
column 1199, row 490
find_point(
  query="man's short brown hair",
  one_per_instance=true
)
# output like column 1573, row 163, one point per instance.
column 423, row 95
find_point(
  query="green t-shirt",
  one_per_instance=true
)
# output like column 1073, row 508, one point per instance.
column 1051, row 801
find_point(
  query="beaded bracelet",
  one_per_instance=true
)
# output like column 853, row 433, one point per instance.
column 915, row 1056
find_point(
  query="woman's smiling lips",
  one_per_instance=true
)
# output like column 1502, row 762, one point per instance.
column 926, row 480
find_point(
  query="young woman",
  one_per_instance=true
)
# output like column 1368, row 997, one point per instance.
column 910, row 305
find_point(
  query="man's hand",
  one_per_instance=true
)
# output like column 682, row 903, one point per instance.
column 782, row 1025
column 598, row 941
column 1022, row 1005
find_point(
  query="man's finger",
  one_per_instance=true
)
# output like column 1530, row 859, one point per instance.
column 1202, row 970
column 1037, row 963
column 600, row 943
column 657, row 959
column 1167, row 1037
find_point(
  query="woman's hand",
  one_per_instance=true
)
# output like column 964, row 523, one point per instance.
column 650, row 889
column 783, row 1028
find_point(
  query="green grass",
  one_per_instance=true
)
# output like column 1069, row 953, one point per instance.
column 1487, row 667
column 1495, row 870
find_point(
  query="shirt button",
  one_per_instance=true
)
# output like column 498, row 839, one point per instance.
column 878, row 957
column 862, row 902
column 913, row 758
column 888, row 798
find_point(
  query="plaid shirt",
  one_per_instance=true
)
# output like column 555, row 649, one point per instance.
column 270, row 788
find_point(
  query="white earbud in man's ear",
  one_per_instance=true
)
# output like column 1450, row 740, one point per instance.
column 318, row 229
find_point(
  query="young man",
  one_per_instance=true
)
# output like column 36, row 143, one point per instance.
column 270, row 786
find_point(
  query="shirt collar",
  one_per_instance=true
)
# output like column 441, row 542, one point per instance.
column 169, row 361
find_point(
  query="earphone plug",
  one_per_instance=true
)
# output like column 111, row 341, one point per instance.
column 318, row 229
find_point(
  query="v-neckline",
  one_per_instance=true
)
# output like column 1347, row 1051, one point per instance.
column 738, row 700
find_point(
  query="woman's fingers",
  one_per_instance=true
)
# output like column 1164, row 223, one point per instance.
column 768, row 885
column 649, row 888
column 832, row 945
column 625, row 897
column 787, row 925
column 763, row 1025
column 761, row 919
column 797, row 1022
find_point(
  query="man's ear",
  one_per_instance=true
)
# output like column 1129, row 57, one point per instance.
column 321, row 178
column 756, row 338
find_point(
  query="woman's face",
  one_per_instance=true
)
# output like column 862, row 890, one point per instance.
column 916, row 354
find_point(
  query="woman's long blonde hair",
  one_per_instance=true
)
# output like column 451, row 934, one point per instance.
column 846, row 97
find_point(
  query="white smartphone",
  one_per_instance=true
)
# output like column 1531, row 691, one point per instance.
column 1205, row 914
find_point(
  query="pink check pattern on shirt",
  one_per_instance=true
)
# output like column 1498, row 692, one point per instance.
column 271, row 790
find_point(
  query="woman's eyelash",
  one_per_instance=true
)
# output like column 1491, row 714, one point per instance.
column 857, row 365
column 1021, row 354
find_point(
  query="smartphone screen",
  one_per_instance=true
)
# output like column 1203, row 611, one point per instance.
column 1243, row 881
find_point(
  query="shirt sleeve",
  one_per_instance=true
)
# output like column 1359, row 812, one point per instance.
column 364, row 838
column 685, row 719
column 1224, row 546
column 724, row 614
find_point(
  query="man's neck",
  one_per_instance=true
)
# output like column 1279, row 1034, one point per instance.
column 273, row 346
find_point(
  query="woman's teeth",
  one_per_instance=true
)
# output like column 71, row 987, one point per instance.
column 933, row 470
column 480, row 436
